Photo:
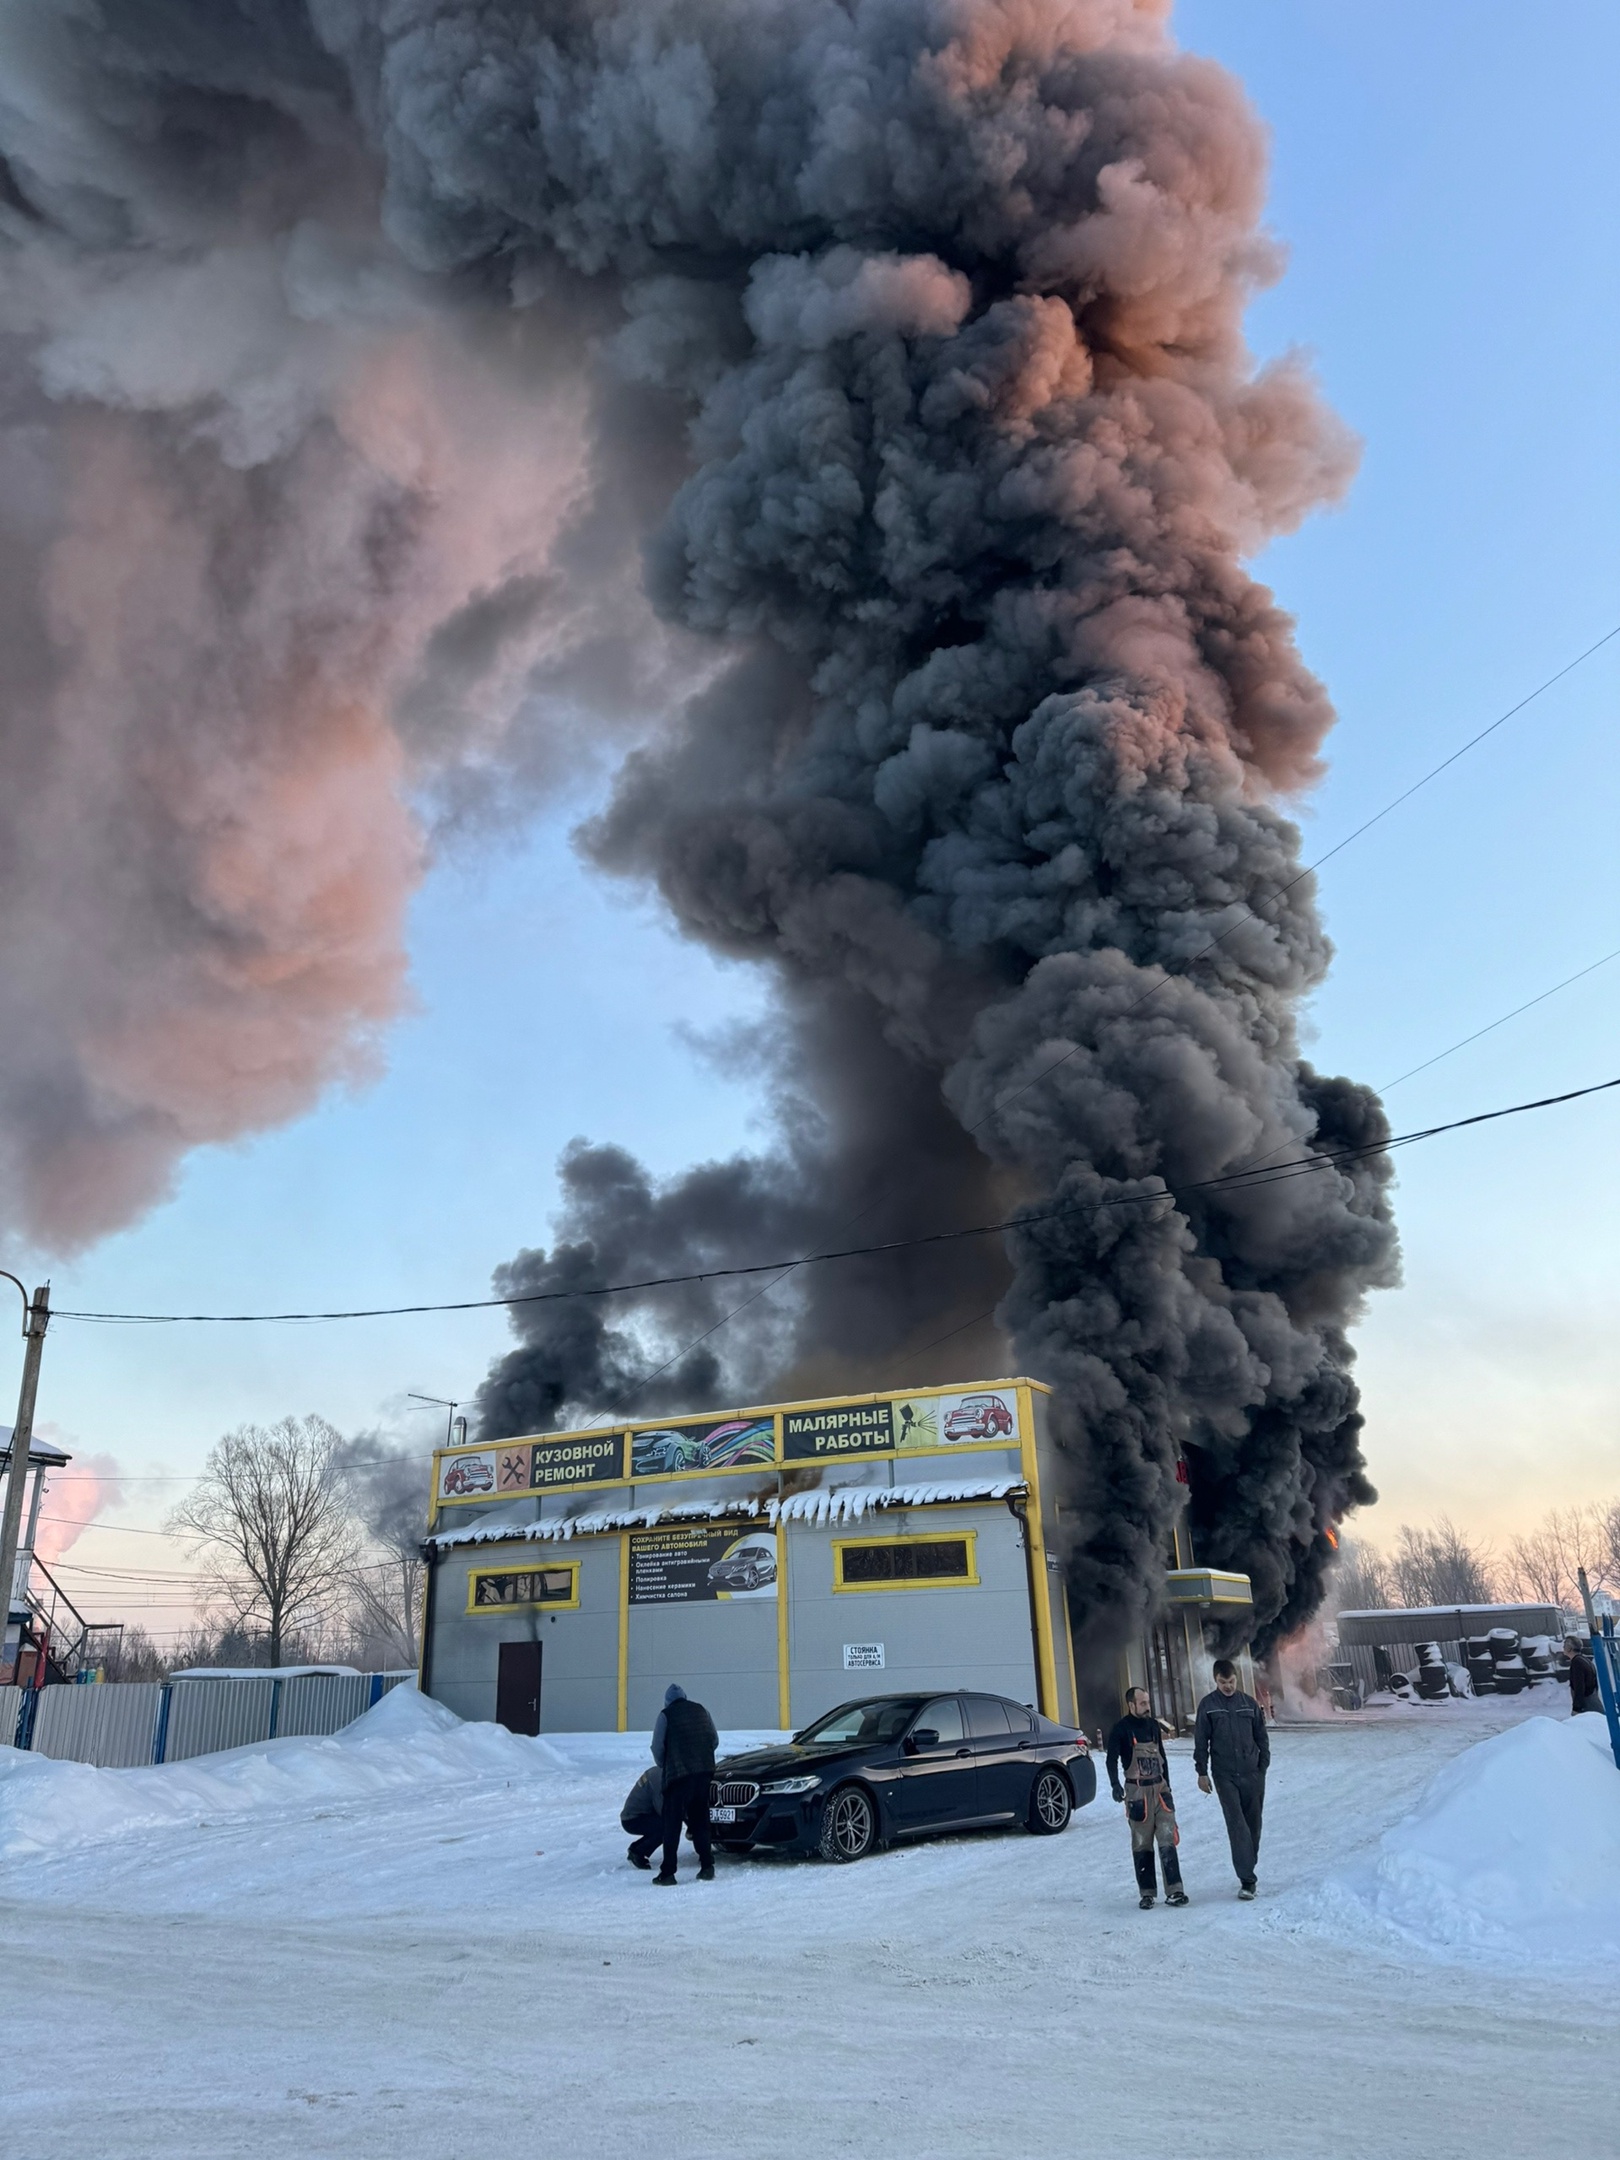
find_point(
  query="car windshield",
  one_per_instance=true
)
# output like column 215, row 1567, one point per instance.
column 862, row 1723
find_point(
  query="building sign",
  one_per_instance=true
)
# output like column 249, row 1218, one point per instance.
column 863, row 1657
column 697, row 1563
column 468, row 1476
column 728, row 1444
column 563, row 1459
column 863, row 1428
column 980, row 1417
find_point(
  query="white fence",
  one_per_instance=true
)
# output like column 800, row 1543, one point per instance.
column 118, row 1725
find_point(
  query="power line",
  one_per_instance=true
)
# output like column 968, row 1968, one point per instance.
column 1491, row 1026
column 1251, row 1173
column 1248, row 914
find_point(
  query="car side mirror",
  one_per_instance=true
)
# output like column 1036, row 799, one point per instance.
column 924, row 1737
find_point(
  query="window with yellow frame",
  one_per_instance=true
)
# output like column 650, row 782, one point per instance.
column 550, row 1587
column 943, row 1560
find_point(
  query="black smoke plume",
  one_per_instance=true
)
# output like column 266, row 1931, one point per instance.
column 919, row 322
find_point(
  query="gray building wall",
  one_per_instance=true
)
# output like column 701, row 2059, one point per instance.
column 975, row 1635
column 579, row 1651
column 724, row 1654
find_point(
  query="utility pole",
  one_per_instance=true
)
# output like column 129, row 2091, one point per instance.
column 36, row 1319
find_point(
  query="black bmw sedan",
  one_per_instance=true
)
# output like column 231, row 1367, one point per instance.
column 895, row 1766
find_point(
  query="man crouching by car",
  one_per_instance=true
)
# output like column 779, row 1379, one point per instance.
column 683, row 1745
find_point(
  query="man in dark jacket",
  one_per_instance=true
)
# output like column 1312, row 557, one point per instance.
column 1583, row 1679
column 1230, row 1740
column 1139, row 1776
column 683, row 1745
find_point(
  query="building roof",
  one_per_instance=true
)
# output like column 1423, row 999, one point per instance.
column 827, row 1504
column 42, row 1454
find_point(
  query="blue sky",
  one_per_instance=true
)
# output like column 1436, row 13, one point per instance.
column 1447, row 182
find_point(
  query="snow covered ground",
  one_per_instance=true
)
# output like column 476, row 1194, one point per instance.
column 421, row 1939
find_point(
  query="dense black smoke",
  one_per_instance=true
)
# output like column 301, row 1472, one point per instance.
column 932, row 309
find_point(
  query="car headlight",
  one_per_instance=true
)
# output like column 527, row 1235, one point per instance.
column 791, row 1785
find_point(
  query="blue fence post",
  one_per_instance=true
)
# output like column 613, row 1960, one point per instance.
column 26, row 1717
column 1604, row 1647
column 275, row 1707
column 375, row 1697
column 160, row 1738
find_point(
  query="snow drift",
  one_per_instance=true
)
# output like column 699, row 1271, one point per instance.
column 1514, row 1851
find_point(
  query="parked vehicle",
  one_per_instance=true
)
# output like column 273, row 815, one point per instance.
column 898, row 1766
column 979, row 1417
column 747, row 1565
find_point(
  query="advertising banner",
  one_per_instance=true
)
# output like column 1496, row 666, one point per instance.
column 697, row 1563
column 668, row 1450
column 976, row 1418
column 567, row 1459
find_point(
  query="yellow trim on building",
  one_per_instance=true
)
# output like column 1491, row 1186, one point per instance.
column 624, row 1631
column 784, row 1646
column 570, row 1568
column 1045, row 1660
column 969, row 1581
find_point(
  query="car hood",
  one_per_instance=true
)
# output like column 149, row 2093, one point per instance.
column 784, row 1761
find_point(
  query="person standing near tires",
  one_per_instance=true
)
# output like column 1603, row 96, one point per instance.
column 1139, row 1776
column 1583, row 1679
column 1231, row 1745
column 683, row 1745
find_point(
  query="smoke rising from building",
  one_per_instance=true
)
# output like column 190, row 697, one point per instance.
column 908, row 334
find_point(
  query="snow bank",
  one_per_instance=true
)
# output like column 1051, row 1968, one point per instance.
column 1513, row 1851
column 405, row 1741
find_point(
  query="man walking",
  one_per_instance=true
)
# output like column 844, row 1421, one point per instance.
column 1136, row 1754
column 683, row 1745
column 1230, row 1740
column 1583, row 1679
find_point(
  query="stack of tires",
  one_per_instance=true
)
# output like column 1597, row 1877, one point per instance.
column 1431, row 1679
column 1508, row 1674
column 1481, row 1665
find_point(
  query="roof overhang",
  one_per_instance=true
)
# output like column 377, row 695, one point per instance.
column 1211, row 1587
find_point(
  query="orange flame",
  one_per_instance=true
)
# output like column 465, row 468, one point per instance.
column 1331, row 1535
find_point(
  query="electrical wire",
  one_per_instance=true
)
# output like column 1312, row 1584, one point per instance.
column 1254, row 1173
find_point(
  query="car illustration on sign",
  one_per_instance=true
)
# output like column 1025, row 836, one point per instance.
column 979, row 1417
column 469, row 1474
column 750, row 1562
column 658, row 1454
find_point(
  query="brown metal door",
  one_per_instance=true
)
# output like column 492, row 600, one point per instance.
column 517, row 1688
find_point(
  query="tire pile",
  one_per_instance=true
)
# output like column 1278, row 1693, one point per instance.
column 1500, row 1663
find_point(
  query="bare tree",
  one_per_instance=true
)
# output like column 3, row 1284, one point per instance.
column 1440, row 1566
column 387, row 1482
column 1360, row 1579
column 1546, row 1561
column 270, row 1518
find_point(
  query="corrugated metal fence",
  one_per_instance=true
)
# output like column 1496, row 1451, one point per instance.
column 120, row 1724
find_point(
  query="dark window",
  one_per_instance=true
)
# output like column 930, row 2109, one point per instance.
column 944, row 1716
column 987, row 1719
column 1018, row 1718
column 914, row 1560
column 526, row 1586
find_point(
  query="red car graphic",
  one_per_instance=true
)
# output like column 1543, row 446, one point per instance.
column 469, row 1475
column 979, row 1417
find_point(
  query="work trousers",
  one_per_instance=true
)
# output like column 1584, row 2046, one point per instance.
column 1243, row 1801
column 1156, row 1827
column 686, row 1799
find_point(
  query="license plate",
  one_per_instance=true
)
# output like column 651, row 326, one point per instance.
column 723, row 1814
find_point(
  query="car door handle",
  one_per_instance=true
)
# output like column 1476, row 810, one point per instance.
column 964, row 1751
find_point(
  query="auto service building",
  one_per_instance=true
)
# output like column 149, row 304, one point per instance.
column 774, row 1560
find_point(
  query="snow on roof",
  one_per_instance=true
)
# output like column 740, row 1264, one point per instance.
column 848, row 1503
column 39, row 1451
column 261, row 1672
column 827, row 1504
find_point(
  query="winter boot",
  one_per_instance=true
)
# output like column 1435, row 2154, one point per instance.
column 1247, row 1891
column 706, row 1872
column 638, row 1858
column 1175, row 1895
column 664, row 1882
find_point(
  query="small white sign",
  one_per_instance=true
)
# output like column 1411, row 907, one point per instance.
column 863, row 1657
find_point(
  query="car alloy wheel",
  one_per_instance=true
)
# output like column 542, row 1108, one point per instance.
column 848, row 1825
column 1049, row 1804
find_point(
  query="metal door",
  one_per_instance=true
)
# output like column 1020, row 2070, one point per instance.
column 936, row 1784
column 517, row 1688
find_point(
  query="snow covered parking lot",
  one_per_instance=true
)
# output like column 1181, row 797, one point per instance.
column 421, row 1938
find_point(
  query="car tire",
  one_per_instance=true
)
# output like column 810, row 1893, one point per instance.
column 849, row 1825
column 1050, row 1803
column 750, row 1580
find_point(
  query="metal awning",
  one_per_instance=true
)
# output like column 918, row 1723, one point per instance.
column 1207, row 1586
